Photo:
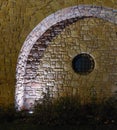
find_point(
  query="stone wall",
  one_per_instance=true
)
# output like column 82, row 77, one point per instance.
column 54, row 75
column 17, row 19
column 87, row 35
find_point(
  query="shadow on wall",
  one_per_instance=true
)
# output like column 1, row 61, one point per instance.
column 27, row 83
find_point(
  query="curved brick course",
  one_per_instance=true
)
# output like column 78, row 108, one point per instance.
column 40, row 37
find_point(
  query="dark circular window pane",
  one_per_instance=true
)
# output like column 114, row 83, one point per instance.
column 83, row 63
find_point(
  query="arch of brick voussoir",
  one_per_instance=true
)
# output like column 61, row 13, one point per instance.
column 80, row 11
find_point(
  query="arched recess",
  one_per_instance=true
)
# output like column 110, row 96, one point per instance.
column 39, row 38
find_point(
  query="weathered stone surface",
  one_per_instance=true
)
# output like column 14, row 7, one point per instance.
column 17, row 19
column 64, row 43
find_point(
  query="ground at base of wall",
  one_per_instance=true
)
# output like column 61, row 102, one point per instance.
column 65, row 112
column 12, row 126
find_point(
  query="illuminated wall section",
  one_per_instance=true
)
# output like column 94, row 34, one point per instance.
column 45, row 63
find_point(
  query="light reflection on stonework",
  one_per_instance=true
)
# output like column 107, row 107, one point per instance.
column 41, row 69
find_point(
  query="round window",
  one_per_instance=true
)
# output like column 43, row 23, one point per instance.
column 83, row 63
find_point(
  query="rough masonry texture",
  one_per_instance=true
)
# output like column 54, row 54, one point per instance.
column 36, row 78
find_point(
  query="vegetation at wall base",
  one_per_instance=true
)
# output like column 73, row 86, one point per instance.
column 63, row 112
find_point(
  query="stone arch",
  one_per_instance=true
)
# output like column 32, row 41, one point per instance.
column 40, row 36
